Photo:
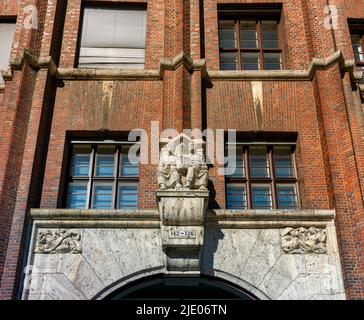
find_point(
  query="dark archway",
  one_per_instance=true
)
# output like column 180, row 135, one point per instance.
column 162, row 287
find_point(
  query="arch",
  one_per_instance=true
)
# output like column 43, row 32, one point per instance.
column 220, row 285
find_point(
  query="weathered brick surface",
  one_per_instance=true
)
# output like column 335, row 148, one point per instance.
column 326, row 114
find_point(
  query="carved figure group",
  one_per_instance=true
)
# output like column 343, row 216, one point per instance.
column 63, row 241
column 304, row 240
column 177, row 165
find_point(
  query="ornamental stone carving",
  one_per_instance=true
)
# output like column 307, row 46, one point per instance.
column 182, row 165
column 182, row 201
column 304, row 240
column 58, row 241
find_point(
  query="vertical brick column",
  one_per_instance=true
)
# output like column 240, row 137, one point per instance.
column 336, row 121
column 36, row 115
column 173, row 80
column 14, row 116
column 195, row 52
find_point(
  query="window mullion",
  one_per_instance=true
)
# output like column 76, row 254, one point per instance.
column 298, row 198
column 91, row 175
column 117, row 158
column 273, row 181
column 248, row 183
column 238, row 44
column 260, row 44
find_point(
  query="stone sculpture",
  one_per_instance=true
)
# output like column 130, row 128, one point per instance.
column 304, row 240
column 63, row 241
column 177, row 166
column 168, row 174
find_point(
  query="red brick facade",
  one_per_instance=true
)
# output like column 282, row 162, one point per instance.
column 39, row 112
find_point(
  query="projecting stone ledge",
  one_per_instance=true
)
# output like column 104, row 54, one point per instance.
column 182, row 214
column 182, row 207
column 151, row 219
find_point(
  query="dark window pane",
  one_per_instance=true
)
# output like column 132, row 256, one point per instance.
column 102, row 195
column 227, row 34
column 228, row 61
column 250, row 61
column 261, row 197
column 77, row 195
column 259, row 163
column 105, row 161
column 272, row 61
column 357, row 48
column 270, row 34
column 248, row 35
column 235, row 163
column 283, row 167
column 80, row 166
column 283, row 164
column 238, row 171
column 287, row 197
column 128, row 196
column 128, row 167
column 236, row 196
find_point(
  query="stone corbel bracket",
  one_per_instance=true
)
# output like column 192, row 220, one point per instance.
column 182, row 216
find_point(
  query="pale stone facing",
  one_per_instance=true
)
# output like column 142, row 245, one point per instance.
column 252, row 258
column 256, row 257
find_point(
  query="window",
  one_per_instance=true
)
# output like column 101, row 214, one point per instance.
column 357, row 41
column 264, row 177
column 356, row 28
column 248, row 41
column 102, row 177
column 7, row 30
column 113, row 38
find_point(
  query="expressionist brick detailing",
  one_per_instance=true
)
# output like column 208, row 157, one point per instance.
column 41, row 114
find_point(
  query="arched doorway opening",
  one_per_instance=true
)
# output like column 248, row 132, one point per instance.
column 163, row 287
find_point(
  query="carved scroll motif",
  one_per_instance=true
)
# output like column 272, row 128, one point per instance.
column 62, row 241
column 304, row 240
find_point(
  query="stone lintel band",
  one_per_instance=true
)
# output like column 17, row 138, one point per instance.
column 150, row 219
column 182, row 59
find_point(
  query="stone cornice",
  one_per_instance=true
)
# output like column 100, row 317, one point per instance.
column 107, row 74
column 182, row 59
column 96, row 218
column 293, row 75
column 268, row 219
column 224, row 219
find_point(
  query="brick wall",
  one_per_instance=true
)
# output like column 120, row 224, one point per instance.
column 326, row 114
